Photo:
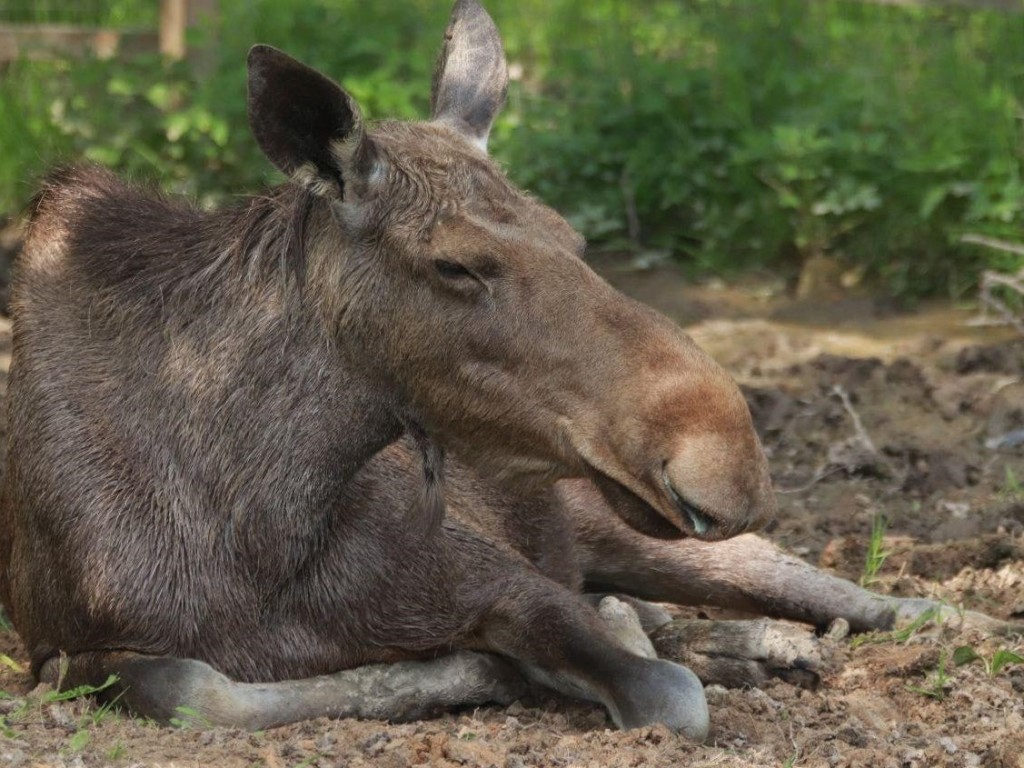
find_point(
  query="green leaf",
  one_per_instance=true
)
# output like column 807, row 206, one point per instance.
column 159, row 95
column 77, row 742
column 934, row 692
column 79, row 691
column 120, row 86
column 108, row 156
column 1001, row 658
column 177, row 125
column 932, row 200
column 7, row 661
column 189, row 717
column 219, row 132
column 788, row 200
column 964, row 654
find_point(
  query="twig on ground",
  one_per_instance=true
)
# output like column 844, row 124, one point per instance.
column 858, row 425
column 992, row 242
column 857, row 453
column 991, row 281
column 854, row 454
column 819, row 474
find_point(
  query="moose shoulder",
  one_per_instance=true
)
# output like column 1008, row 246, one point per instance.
column 229, row 430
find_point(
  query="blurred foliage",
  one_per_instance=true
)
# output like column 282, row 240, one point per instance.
column 733, row 134
column 118, row 13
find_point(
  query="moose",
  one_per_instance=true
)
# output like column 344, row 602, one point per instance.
column 358, row 446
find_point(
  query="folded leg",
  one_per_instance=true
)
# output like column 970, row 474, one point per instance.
column 746, row 573
column 165, row 688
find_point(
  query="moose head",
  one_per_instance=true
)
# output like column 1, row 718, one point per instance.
column 469, row 303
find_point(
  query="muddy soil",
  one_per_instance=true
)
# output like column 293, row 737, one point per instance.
column 864, row 414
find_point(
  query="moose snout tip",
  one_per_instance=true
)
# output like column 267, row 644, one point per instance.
column 711, row 507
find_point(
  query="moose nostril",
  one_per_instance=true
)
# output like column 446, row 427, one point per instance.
column 700, row 521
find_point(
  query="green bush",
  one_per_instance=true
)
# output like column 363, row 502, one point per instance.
column 732, row 134
column 758, row 134
column 184, row 126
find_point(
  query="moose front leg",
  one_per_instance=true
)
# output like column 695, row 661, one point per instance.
column 746, row 573
column 560, row 641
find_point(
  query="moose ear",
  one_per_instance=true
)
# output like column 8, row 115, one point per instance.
column 305, row 123
column 471, row 77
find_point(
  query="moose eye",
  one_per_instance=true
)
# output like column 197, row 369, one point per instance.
column 451, row 270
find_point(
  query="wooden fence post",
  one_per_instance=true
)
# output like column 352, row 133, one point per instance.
column 173, row 20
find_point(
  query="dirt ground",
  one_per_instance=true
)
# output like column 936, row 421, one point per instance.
column 863, row 413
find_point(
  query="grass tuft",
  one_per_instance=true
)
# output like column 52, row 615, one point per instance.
column 876, row 554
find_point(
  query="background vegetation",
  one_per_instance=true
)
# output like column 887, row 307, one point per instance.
column 731, row 135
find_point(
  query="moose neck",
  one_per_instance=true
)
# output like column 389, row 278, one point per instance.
column 250, row 341
column 362, row 410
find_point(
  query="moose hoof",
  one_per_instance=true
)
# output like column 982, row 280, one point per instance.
column 743, row 653
column 667, row 693
column 910, row 609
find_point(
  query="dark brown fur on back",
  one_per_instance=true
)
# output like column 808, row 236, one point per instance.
column 202, row 403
